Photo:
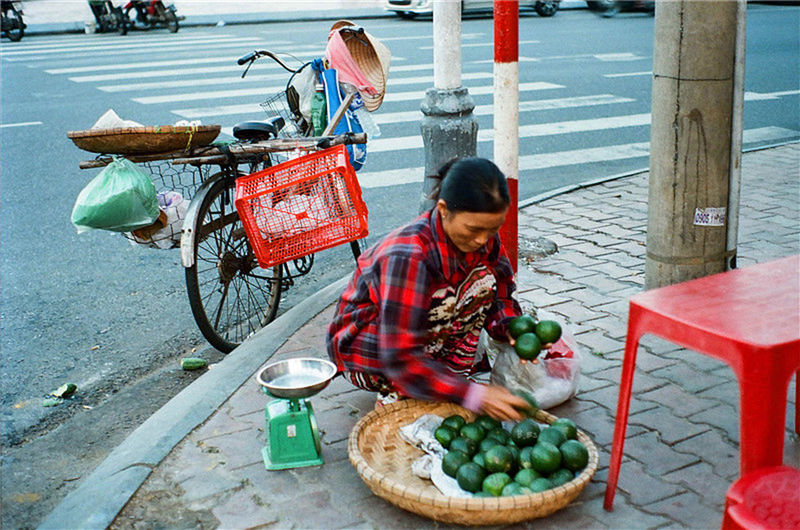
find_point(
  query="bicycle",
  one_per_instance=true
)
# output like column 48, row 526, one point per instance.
column 231, row 296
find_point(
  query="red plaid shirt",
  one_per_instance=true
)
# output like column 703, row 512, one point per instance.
column 381, row 319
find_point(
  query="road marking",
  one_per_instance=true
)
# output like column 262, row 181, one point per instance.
column 416, row 115
column 761, row 96
column 474, row 91
column 90, row 43
column 616, row 57
column 629, row 74
column 394, row 177
column 260, row 91
column 525, row 131
column 117, row 46
column 20, row 124
column 172, row 72
column 198, row 48
column 146, row 64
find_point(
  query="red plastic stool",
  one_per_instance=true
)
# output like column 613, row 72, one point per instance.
column 766, row 498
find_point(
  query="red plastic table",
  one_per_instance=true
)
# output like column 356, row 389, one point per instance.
column 748, row 318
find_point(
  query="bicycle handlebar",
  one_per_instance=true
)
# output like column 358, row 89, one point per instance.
column 257, row 54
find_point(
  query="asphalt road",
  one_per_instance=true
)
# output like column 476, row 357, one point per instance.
column 114, row 319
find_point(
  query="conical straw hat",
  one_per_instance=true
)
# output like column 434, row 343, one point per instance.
column 372, row 57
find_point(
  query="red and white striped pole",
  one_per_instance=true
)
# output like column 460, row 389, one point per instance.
column 506, row 112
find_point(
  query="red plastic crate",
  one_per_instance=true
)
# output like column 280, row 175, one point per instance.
column 301, row 206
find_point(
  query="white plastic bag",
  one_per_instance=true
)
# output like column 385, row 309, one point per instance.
column 552, row 380
column 174, row 206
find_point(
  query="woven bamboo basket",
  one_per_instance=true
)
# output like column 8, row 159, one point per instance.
column 144, row 140
column 383, row 460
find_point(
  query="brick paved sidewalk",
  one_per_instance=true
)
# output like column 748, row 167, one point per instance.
column 681, row 451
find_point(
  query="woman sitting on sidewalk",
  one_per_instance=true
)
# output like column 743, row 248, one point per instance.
column 407, row 324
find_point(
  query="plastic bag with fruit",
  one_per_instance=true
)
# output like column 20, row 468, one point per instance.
column 552, row 376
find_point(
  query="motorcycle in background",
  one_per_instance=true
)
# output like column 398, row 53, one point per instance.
column 12, row 25
column 108, row 17
column 151, row 14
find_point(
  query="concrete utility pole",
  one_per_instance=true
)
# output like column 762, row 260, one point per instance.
column 449, row 129
column 506, row 113
column 690, row 139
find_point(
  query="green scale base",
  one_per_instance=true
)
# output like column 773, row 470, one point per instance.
column 292, row 435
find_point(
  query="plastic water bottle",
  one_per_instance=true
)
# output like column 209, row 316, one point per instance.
column 319, row 118
column 364, row 117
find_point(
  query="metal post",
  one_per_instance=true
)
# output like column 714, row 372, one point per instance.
column 449, row 129
column 690, row 139
column 506, row 113
column 736, row 138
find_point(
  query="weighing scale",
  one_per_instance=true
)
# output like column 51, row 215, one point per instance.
column 292, row 434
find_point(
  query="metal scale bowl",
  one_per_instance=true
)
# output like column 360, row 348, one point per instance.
column 292, row 435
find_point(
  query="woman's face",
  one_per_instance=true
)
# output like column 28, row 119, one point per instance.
column 469, row 231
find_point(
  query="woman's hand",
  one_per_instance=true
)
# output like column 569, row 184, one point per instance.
column 502, row 405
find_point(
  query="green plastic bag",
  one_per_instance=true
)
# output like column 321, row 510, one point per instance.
column 121, row 198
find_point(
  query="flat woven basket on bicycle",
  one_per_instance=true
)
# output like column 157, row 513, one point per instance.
column 301, row 206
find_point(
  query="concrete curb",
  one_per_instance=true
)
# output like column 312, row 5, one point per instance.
column 101, row 495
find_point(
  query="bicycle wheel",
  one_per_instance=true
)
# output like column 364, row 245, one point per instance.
column 230, row 296
column 169, row 18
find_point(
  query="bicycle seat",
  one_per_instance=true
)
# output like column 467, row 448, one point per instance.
column 258, row 130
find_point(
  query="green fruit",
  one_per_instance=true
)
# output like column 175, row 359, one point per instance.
column 480, row 460
column 483, row 494
column 520, row 325
column 526, row 458
column 540, row 484
column 567, row 426
column 554, row 435
column 545, row 457
column 445, row 435
column 499, row 459
column 574, row 455
column 473, row 431
column 487, row 443
column 499, row 434
column 455, row 422
column 487, row 422
column 533, row 405
column 514, row 453
column 452, row 460
column 470, row 477
column 528, row 346
column 561, row 476
column 495, row 483
column 526, row 476
column 548, row 331
column 525, row 433
column 465, row 445
column 513, row 488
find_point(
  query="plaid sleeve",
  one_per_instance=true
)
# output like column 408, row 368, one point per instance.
column 505, row 307
column 405, row 283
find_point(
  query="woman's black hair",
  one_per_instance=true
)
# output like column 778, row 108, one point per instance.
column 472, row 185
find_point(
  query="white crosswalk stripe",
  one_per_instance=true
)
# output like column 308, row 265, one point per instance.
column 378, row 179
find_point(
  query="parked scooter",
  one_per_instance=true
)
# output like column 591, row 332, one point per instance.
column 108, row 17
column 12, row 25
column 150, row 14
